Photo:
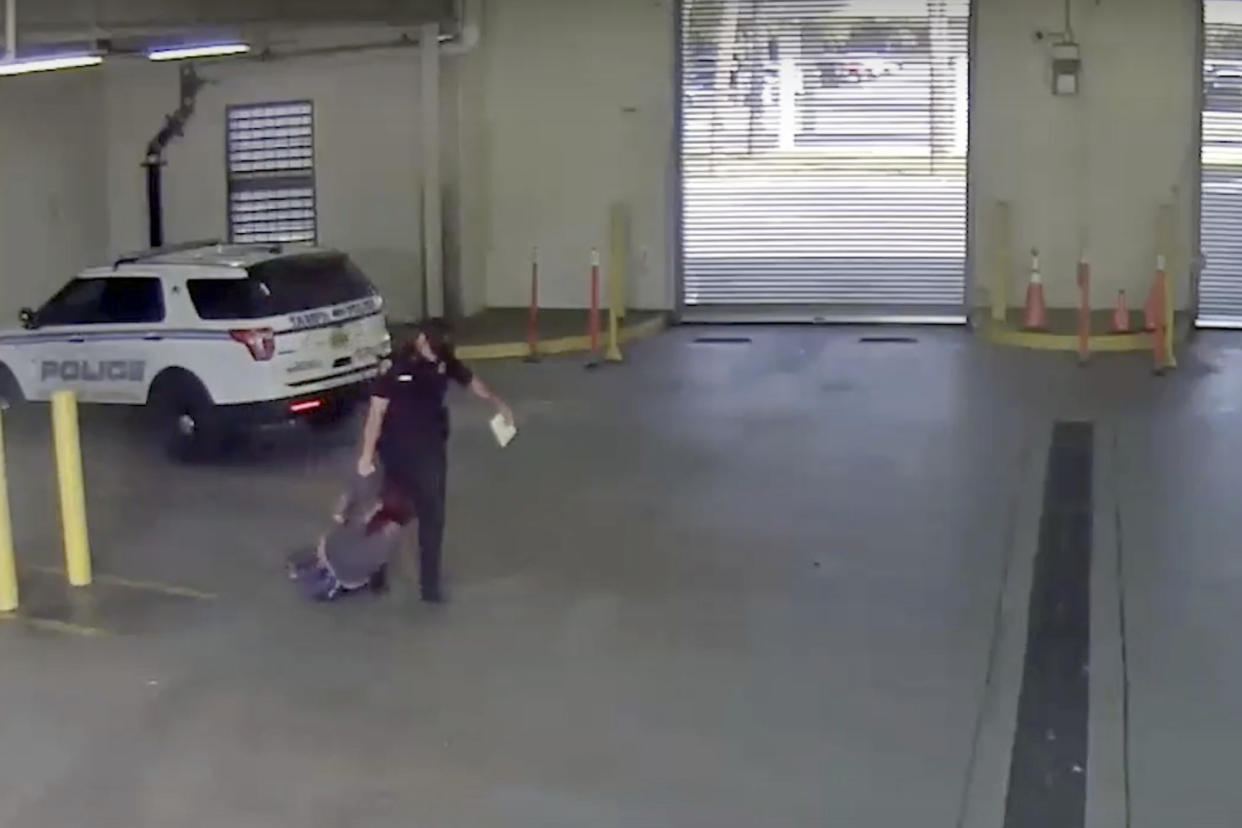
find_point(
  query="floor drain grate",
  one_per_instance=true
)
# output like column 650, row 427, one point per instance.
column 723, row 340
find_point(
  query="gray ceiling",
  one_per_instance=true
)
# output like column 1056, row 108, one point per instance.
column 43, row 20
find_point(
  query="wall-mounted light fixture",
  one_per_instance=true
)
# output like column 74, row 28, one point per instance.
column 189, row 52
column 48, row 64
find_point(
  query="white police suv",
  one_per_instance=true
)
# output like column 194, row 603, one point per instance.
column 208, row 336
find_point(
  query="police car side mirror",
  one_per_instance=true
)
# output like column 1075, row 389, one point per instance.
column 27, row 317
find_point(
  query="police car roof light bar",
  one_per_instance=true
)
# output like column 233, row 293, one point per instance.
column 152, row 252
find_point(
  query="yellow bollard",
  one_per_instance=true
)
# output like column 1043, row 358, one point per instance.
column 1175, row 252
column 1167, row 244
column 617, row 266
column 613, row 353
column 1003, row 269
column 8, row 568
column 72, row 491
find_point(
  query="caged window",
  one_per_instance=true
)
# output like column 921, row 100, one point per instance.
column 271, row 172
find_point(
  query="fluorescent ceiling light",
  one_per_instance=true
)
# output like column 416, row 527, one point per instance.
column 22, row 67
column 182, row 53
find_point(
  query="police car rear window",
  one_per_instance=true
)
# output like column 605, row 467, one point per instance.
column 281, row 286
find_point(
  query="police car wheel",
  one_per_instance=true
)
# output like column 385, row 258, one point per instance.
column 180, row 410
column 10, row 392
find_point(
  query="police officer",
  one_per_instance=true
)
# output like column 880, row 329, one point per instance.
column 407, row 428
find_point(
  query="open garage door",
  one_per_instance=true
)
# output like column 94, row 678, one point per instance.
column 1220, row 205
column 824, row 158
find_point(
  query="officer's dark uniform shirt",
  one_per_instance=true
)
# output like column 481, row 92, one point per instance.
column 417, row 418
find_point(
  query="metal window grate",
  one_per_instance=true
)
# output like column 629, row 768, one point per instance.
column 1220, row 204
column 271, row 172
column 824, row 154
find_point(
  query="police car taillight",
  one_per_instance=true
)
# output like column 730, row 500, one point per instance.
column 303, row 406
column 260, row 341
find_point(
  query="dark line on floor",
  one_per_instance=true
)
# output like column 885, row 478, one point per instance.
column 722, row 340
column 998, row 614
column 1048, row 766
column 1121, row 613
column 901, row 339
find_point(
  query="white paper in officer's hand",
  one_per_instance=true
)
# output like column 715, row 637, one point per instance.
column 503, row 430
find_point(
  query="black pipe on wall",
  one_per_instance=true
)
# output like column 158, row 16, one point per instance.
column 173, row 127
column 155, row 205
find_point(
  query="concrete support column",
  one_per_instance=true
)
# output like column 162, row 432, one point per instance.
column 433, row 218
column 10, row 30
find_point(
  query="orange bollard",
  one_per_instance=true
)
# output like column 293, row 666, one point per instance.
column 532, row 319
column 1084, row 310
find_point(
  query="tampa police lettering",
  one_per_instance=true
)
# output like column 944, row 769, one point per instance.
column 101, row 370
column 312, row 319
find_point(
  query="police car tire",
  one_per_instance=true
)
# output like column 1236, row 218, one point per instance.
column 10, row 391
column 172, row 397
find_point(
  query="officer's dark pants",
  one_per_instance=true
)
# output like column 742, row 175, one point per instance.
column 422, row 474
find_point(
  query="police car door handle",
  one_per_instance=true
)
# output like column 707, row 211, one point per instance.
column 77, row 339
column 153, row 337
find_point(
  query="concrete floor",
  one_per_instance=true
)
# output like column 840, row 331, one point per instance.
column 496, row 325
column 732, row 584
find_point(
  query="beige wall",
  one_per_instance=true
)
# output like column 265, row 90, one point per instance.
column 559, row 79
column 577, row 102
column 74, row 189
column 568, row 105
column 1098, row 164
column 367, row 162
column 465, row 185
column 53, row 212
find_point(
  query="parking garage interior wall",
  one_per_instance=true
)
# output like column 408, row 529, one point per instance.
column 568, row 105
column 367, row 156
column 465, row 186
column 577, row 111
column 1102, row 161
column 577, row 107
column 53, row 216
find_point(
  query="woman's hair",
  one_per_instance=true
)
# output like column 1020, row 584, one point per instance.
column 439, row 334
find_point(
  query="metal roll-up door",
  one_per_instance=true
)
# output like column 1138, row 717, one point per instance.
column 824, row 157
column 1220, row 205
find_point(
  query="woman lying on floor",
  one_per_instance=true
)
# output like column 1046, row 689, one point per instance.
column 354, row 554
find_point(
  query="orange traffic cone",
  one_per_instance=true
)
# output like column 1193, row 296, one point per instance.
column 1121, row 314
column 1036, row 314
